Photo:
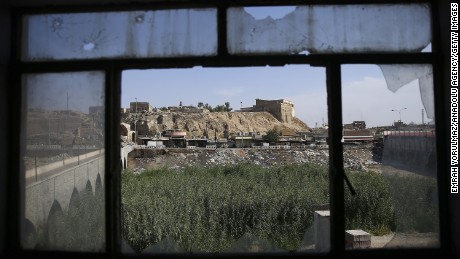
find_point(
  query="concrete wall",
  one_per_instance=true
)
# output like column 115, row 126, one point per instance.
column 41, row 195
column 412, row 153
column 56, row 165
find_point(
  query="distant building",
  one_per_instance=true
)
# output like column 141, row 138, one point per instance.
column 348, row 126
column 359, row 124
column 356, row 125
column 398, row 124
column 357, row 136
column 135, row 107
column 282, row 110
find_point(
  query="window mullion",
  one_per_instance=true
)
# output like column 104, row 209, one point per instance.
column 336, row 173
column 112, row 178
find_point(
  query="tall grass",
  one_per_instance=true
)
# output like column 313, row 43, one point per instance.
column 372, row 208
column 208, row 209
column 415, row 199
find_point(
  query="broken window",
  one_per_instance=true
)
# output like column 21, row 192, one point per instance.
column 397, row 146
column 331, row 29
column 52, row 125
column 233, row 189
column 397, row 76
column 63, row 161
column 164, row 33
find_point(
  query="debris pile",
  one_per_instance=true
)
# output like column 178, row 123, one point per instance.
column 355, row 158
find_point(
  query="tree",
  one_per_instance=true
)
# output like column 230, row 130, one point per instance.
column 200, row 104
column 271, row 136
column 227, row 107
column 209, row 107
column 219, row 108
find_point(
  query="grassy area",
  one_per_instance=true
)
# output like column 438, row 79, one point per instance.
column 208, row 209
column 416, row 203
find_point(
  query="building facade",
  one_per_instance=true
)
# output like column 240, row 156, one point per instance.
column 282, row 110
column 140, row 106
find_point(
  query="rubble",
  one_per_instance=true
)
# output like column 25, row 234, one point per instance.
column 355, row 158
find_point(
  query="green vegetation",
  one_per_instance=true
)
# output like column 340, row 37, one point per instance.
column 371, row 209
column 272, row 136
column 219, row 108
column 208, row 209
column 416, row 203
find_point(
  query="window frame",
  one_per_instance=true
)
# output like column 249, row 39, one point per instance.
column 113, row 68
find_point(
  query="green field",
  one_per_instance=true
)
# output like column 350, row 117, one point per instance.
column 208, row 209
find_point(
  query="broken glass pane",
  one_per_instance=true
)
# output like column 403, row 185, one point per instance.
column 389, row 124
column 330, row 29
column 165, row 33
column 63, row 162
column 397, row 76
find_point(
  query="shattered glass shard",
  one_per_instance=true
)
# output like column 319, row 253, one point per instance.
column 397, row 76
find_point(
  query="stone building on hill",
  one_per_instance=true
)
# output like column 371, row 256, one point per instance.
column 282, row 110
column 140, row 106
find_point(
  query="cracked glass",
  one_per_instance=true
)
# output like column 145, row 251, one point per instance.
column 329, row 29
column 164, row 33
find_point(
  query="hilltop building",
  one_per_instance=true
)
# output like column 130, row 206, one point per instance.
column 140, row 106
column 282, row 110
column 358, row 125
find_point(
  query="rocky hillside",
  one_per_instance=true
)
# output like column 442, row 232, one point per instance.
column 220, row 124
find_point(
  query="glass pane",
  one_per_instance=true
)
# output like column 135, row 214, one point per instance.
column 235, row 166
column 165, row 33
column 329, row 29
column 63, row 160
column 388, row 111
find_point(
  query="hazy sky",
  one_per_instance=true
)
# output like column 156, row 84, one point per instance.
column 364, row 90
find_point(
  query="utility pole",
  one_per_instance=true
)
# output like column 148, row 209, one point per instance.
column 67, row 112
column 399, row 111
